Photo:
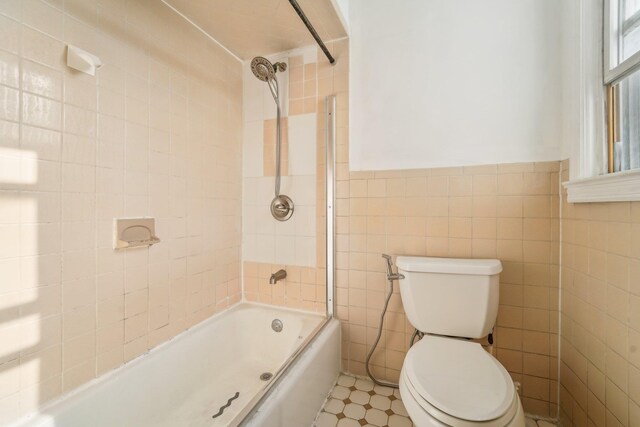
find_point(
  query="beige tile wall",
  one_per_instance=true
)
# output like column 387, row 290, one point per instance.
column 304, row 288
column 509, row 212
column 156, row 133
column 600, row 313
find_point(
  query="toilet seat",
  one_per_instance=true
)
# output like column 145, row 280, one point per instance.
column 424, row 414
column 459, row 383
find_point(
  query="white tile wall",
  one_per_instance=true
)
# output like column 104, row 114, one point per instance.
column 252, row 148
column 302, row 144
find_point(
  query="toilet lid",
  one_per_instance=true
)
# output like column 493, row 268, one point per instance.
column 459, row 378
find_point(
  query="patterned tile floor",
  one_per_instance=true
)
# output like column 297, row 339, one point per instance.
column 539, row 423
column 356, row 402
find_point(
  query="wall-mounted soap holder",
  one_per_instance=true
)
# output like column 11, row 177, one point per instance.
column 134, row 232
column 82, row 61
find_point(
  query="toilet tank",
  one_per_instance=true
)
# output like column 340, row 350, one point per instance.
column 449, row 296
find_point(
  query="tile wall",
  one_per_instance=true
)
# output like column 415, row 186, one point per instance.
column 298, row 245
column 292, row 242
column 157, row 132
column 507, row 211
column 600, row 313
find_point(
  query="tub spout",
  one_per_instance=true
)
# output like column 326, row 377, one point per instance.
column 277, row 276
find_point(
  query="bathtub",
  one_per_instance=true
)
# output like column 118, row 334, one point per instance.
column 212, row 369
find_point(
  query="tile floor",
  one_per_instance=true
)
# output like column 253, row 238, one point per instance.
column 356, row 402
column 530, row 422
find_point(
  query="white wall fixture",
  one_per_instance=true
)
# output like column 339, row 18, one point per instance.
column 134, row 232
column 82, row 60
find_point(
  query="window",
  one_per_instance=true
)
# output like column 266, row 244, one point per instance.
column 621, row 71
column 622, row 78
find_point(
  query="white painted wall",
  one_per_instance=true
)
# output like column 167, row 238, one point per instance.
column 439, row 83
column 583, row 114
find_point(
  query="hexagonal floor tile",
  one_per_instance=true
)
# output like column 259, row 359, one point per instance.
column 380, row 402
column 326, row 419
column 340, row 392
column 359, row 397
column 334, row 406
column 376, row 417
column 348, row 422
column 357, row 402
column 398, row 407
column 346, row 381
column 364, row 385
column 383, row 391
column 399, row 421
column 354, row 411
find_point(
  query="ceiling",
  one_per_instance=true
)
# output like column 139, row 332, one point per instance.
column 251, row 28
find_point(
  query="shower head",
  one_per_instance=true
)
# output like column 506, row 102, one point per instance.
column 264, row 70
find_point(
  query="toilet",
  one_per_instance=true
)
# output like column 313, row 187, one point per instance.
column 447, row 379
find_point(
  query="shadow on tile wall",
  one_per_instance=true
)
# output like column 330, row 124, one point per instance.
column 600, row 313
column 138, row 139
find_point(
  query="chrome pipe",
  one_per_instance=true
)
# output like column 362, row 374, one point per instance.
column 330, row 182
column 312, row 30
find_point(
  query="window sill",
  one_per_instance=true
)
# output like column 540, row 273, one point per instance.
column 615, row 187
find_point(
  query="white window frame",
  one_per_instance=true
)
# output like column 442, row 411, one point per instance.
column 614, row 69
column 590, row 181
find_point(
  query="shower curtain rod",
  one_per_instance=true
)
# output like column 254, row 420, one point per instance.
column 312, row 30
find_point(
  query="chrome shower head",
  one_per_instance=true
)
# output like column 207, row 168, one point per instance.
column 264, row 70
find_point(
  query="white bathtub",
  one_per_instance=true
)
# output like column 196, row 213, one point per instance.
column 187, row 380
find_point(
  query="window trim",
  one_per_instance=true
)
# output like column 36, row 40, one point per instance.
column 589, row 180
column 614, row 187
column 615, row 70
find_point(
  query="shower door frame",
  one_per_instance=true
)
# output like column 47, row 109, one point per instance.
column 330, row 199
column 330, row 182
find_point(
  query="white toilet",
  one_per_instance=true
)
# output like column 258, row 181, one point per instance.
column 446, row 379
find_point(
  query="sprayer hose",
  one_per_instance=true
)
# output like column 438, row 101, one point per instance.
column 377, row 340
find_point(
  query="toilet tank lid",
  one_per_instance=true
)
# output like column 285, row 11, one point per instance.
column 485, row 267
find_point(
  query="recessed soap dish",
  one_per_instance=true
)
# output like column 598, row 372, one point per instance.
column 135, row 233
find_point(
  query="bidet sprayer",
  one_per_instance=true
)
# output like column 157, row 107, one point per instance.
column 391, row 276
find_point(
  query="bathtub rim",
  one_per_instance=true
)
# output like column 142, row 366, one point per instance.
column 251, row 408
column 34, row 419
